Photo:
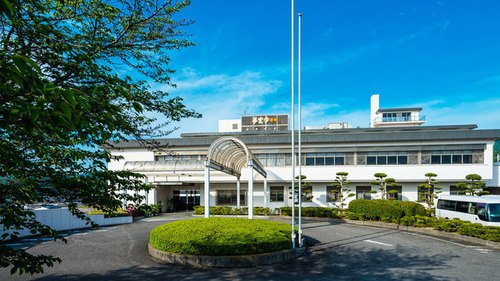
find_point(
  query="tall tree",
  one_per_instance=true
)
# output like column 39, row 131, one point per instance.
column 428, row 191
column 343, row 191
column 66, row 92
column 383, row 182
column 473, row 186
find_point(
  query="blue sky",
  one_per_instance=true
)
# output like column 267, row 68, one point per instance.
column 441, row 55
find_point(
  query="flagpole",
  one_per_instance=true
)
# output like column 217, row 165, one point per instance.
column 293, row 132
column 300, row 138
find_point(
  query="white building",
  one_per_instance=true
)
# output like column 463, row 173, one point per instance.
column 395, row 144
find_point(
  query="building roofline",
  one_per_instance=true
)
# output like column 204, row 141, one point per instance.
column 330, row 136
column 346, row 130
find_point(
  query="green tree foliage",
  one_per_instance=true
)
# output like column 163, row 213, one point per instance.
column 65, row 95
column 428, row 191
column 473, row 186
column 305, row 188
column 383, row 182
column 342, row 184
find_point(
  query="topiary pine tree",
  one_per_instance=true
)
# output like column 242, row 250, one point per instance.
column 428, row 191
column 474, row 186
column 383, row 182
column 306, row 190
column 342, row 184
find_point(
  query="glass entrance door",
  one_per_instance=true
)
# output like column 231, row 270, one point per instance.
column 185, row 200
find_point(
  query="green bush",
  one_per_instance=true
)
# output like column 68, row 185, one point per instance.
column 376, row 209
column 221, row 237
column 223, row 210
column 320, row 212
column 199, row 210
column 117, row 213
column 410, row 208
column 261, row 211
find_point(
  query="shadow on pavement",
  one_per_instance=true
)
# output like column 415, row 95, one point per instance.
column 333, row 263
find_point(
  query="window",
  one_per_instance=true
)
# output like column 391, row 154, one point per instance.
column 177, row 157
column 472, row 208
column 363, row 192
column 446, row 205
column 454, row 190
column 481, row 211
column 406, row 116
column 395, row 192
column 389, row 117
column 332, row 194
column 235, row 126
column 229, row 197
column 325, row 159
column 274, row 159
column 452, row 157
column 276, row 194
column 383, row 158
column 462, row 207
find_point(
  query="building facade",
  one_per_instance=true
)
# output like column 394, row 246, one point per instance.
column 403, row 151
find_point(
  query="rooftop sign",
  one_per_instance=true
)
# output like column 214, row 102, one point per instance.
column 271, row 122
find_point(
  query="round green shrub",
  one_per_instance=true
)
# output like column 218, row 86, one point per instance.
column 221, row 237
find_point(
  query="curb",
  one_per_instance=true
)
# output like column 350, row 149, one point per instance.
column 225, row 261
column 426, row 231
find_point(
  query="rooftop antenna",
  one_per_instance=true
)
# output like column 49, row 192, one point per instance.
column 245, row 111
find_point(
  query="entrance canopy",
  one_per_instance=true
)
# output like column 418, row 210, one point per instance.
column 230, row 155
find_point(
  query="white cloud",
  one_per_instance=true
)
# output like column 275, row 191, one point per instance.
column 221, row 96
column 484, row 113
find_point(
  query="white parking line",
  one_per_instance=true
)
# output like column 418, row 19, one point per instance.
column 379, row 243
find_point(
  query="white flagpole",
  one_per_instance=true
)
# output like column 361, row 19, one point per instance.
column 293, row 133
column 300, row 140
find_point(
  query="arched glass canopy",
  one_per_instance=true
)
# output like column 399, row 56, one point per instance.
column 230, row 155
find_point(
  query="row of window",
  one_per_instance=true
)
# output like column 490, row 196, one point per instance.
column 277, row 194
column 362, row 158
column 463, row 207
column 179, row 157
column 395, row 117
column 376, row 158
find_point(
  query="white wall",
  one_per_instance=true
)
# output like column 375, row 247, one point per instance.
column 62, row 219
column 495, row 182
column 136, row 154
column 227, row 125
column 374, row 106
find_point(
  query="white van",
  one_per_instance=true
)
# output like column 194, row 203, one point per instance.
column 477, row 209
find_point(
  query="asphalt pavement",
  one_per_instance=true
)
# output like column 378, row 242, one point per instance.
column 337, row 251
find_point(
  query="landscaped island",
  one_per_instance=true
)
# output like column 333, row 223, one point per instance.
column 221, row 237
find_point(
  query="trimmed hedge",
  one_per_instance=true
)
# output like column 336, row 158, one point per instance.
column 384, row 210
column 221, row 237
column 321, row 212
column 223, row 210
column 117, row 213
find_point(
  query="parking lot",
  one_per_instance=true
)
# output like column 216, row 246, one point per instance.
column 337, row 251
